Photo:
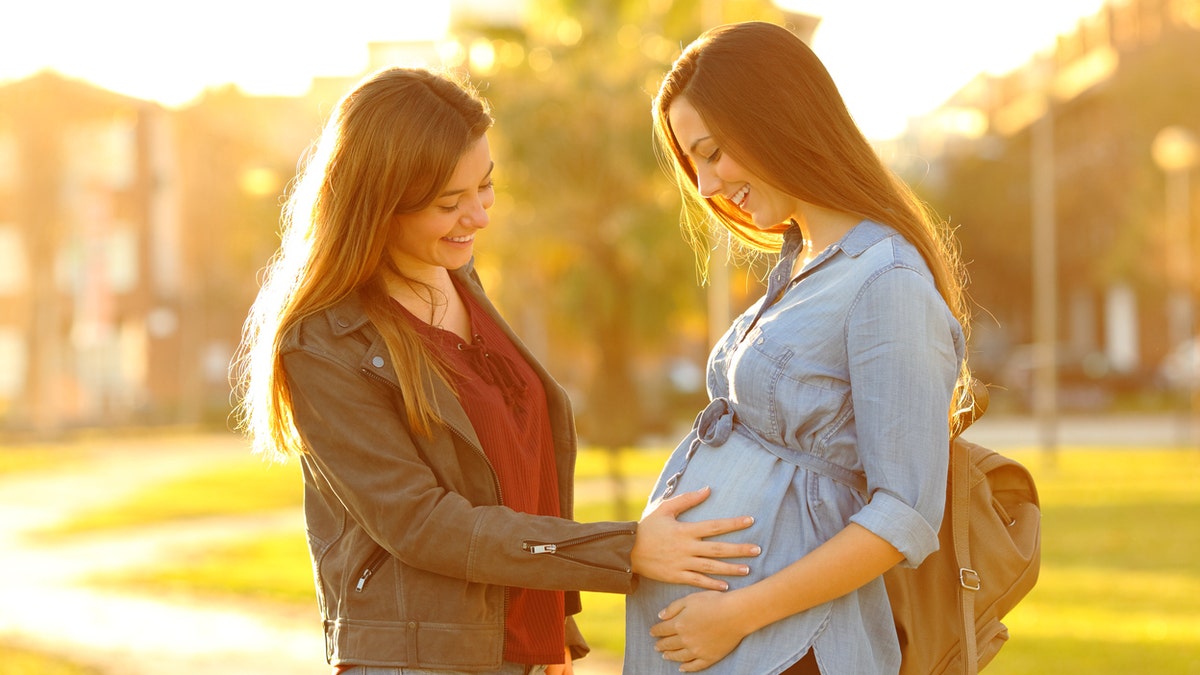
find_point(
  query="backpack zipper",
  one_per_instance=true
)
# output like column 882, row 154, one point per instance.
column 556, row 548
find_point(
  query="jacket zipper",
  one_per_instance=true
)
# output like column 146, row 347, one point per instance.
column 556, row 548
column 381, row 554
column 372, row 566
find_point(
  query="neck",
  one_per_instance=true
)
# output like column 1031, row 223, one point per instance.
column 823, row 227
column 426, row 296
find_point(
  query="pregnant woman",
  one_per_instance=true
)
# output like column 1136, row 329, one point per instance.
column 831, row 397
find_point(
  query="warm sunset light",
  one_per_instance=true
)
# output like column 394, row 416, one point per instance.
column 161, row 194
column 169, row 52
column 892, row 60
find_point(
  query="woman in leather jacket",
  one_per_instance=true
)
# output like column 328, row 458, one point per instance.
column 437, row 454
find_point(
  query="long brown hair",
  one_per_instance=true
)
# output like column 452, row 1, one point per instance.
column 772, row 105
column 389, row 148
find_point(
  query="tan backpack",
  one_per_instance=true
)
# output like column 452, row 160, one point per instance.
column 948, row 609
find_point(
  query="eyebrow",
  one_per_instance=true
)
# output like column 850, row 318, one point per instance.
column 450, row 193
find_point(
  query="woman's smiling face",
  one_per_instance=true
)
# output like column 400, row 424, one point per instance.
column 718, row 174
column 442, row 234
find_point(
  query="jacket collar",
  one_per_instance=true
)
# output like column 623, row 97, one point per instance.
column 349, row 316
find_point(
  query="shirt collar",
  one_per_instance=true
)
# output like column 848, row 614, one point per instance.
column 863, row 236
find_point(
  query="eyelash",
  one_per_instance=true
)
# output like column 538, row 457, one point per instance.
column 451, row 209
column 716, row 154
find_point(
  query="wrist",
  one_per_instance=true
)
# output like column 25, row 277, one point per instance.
column 745, row 611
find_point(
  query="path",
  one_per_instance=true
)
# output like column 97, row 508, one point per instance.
column 49, row 606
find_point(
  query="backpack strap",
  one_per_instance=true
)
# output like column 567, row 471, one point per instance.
column 968, row 578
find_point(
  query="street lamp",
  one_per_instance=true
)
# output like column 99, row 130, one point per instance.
column 1176, row 152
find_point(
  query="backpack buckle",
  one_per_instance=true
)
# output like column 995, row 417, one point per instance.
column 969, row 579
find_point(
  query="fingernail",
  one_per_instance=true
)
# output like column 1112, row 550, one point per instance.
column 757, row 550
column 724, row 586
column 660, row 614
column 744, row 570
column 749, row 520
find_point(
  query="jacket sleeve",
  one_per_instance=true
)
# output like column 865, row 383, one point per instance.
column 360, row 445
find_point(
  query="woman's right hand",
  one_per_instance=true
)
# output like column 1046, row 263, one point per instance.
column 676, row 552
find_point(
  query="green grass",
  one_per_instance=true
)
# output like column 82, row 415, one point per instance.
column 17, row 459
column 1119, row 589
column 18, row 661
column 593, row 463
column 272, row 568
column 243, row 486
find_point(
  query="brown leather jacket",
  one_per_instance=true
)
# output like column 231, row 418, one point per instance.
column 411, row 545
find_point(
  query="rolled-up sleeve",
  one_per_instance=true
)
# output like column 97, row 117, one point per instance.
column 904, row 349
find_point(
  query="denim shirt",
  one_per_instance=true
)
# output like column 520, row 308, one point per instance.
column 829, row 403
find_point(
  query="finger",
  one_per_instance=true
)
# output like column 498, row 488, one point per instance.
column 677, row 655
column 665, row 627
column 722, row 569
column 702, row 581
column 669, row 644
column 709, row 528
column 686, row 500
column 724, row 549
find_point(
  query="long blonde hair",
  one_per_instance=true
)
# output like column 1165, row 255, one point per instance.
column 389, row 148
column 774, row 107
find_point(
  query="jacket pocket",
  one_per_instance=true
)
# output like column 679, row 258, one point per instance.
column 560, row 549
column 371, row 567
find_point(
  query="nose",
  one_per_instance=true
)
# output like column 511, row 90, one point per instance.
column 477, row 215
column 708, row 183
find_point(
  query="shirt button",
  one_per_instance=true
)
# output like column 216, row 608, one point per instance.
column 377, row 361
column 343, row 323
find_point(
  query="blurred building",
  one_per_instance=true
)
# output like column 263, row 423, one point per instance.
column 130, row 236
column 1105, row 89
column 131, row 240
column 91, row 267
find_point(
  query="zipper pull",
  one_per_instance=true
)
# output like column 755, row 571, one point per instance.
column 540, row 548
column 362, row 581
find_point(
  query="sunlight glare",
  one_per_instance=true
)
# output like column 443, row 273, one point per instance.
column 148, row 49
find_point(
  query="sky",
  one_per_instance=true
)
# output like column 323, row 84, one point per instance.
column 892, row 59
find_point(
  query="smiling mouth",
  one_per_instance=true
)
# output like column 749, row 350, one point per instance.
column 460, row 240
column 739, row 197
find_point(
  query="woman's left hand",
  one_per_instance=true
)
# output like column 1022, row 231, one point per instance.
column 698, row 630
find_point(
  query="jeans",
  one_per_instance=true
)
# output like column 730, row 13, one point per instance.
column 505, row 669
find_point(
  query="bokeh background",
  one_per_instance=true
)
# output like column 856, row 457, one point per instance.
column 145, row 148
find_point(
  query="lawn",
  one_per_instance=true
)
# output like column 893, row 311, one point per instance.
column 1119, row 589
column 19, row 661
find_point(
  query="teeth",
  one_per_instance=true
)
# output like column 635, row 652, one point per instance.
column 460, row 240
column 739, row 197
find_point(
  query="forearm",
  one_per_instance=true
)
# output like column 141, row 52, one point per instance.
column 848, row 561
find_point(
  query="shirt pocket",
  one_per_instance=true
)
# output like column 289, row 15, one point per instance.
column 785, row 394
